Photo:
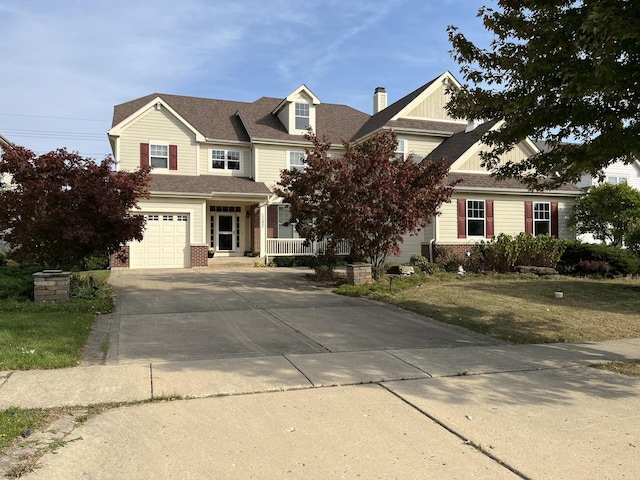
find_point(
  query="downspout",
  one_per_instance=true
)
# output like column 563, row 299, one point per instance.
column 433, row 240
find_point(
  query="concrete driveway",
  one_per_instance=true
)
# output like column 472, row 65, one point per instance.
column 177, row 315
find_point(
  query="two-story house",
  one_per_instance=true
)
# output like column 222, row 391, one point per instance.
column 217, row 161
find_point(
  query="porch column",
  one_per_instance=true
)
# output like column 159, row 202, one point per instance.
column 263, row 230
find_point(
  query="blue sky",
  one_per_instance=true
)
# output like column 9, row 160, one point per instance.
column 66, row 63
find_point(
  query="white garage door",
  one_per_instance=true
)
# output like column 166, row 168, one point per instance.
column 165, row 243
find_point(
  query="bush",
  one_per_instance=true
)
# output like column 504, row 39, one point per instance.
column 590, row 268
column 3, row 259
column 622, row 262
column 448, row 260
column 504, row 253
column 16, row 283
column 324, row 273
column 95, row 262
column 284, row 261
column 422, row 264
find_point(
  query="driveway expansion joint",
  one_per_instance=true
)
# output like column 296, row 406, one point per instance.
column 464, row 439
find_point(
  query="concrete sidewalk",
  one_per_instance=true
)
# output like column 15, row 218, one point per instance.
column 243, row 375
column 490, row 412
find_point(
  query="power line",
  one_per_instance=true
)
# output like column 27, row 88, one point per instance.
column 53, row 117
column 92, row 137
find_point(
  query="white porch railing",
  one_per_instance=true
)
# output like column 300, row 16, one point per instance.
column 281, row 247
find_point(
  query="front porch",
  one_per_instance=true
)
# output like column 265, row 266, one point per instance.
column 291, row 247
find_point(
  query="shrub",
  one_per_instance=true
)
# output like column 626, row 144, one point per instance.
column 3, row 259
column 622, row 262
column 448, row 260
column 16, row 283
column 422, row 264
column 95, row 262
column 504, row 253
column 284, row 261
column 324, row 273
column 593, row 268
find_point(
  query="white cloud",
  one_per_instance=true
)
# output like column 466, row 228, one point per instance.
column 76, row 59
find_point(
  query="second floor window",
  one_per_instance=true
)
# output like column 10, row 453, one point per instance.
column 159, row 155
column 400, row 151
column 475, row 218
column 225, row 160
column 302, row 116
column 616, row 180
column 296, row 160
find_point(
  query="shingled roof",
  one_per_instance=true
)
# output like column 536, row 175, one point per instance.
column 243, row 121
column 454, row 146
column 206, row 184
column 485, row 180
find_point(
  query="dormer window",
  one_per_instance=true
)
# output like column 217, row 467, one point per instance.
column 302, row 116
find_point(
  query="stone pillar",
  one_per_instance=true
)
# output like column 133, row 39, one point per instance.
column 359, row 273
column 51, row 286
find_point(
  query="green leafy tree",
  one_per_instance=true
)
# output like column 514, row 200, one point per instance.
column 562, row 71
column 58, row 208
column 609, row 212
column 368, row 197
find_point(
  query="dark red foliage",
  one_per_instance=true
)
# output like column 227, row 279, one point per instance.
column 59, row 207
column 368, row 196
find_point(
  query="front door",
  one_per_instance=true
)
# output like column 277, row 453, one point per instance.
column 225, row 237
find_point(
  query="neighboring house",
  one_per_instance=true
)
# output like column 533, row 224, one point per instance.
column 217, row 161
column 617, row 172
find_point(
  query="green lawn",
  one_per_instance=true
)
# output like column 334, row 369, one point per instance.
column 519, row 308
column 47, row 335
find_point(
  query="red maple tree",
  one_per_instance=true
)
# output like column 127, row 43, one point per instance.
column 368, row 197
column 60, row 207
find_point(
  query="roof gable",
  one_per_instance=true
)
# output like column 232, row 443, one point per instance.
column 211, row 118
column 156, row 103
column 395, row 115
column 301, row 91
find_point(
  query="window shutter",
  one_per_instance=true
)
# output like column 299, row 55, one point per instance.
column 554, row 219
column 173, row 157
column 489, row 217
column 528, row 218
column 462, row 218
column 144, row 154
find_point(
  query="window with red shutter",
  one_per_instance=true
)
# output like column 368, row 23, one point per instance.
column 144, row 154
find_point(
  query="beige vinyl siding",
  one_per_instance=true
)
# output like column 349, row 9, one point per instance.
column 162, row 127
column 412, row 244
column 420, row 146
column 432, row 106
column 508, row 215
column 270, row 161
column 472, row 162
column 194, row 208
column 285, row 116
column 205, row 160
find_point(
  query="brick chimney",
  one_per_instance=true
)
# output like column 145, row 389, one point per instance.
column 379, row 99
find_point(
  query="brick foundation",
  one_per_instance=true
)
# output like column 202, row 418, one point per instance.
column 199, row 256
column 359, row 273
column 51, row 286
column 120, row 259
